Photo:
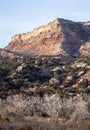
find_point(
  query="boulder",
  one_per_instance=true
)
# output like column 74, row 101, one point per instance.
column 81, row 73
column 54, row 81
column 20, row 67
column 58, row 70
column 69, row 79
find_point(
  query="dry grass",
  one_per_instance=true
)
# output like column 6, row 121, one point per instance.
column 45, row 124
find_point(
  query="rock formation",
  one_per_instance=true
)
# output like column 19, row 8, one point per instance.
column 58, row 37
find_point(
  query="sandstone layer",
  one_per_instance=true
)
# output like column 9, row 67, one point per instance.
column 58, row 37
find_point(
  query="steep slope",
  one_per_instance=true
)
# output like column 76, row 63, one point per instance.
column 58, row 37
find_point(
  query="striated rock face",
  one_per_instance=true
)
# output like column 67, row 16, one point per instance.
column 58, row 37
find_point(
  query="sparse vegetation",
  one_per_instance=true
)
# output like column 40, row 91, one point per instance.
column 53, row 89
column 24, row 73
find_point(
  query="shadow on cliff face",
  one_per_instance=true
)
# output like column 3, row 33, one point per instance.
column 75, row 35
column 71, row 43
column 71, row 48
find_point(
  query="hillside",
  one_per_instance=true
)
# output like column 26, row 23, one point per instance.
column 46, row 87
column 58, row 37
column 6, row 54
column 45, row 78
column 45, row 74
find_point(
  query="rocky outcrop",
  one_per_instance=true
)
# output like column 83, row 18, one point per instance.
column 86, row 23
column 6, row 54
column 58, row 37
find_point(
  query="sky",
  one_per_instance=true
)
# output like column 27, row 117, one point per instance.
column 21, row 16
